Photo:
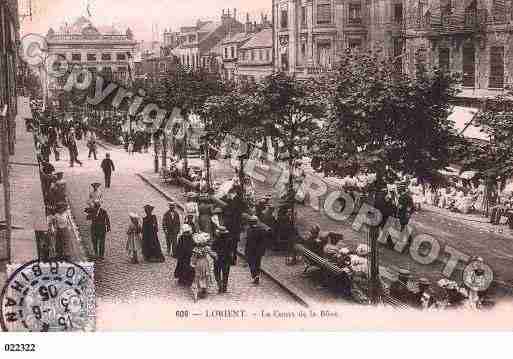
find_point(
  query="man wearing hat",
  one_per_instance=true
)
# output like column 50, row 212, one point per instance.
column 100, row 225
column 405, row 206
column 256, row 242
column 58, row 192
column 223, row 246
column 95, row 194
column 171, row 224
column 107, row 167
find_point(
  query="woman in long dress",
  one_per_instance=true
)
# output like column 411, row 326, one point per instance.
column 151, row 249
column 183, row 271
column 202, row 261
column 134, row 237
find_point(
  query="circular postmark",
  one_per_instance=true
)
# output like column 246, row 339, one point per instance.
column 477, row 275
column 54, row 296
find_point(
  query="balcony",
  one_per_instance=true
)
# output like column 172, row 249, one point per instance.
column 468, row 22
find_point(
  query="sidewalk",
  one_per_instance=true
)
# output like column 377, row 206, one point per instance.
column 27, row 204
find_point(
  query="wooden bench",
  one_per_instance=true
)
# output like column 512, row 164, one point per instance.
column 314, row 260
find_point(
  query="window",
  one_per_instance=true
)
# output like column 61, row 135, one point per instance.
column 469, row 66
column 499, row 10
column 91, row 57
column 106, row 57
column 225, row 52
column 324, row 12
column 420, row 14
column 303, row 50
column 398, row 60
column 496, row 67
column 261, row 54
column 398, row 13
column 285, row 62
column 444, row 60
column 471, row 19
column 232, row 52
column 355, row 44
column 252, row 55
column 76, row 57
column 446, row 11
column 192, row 38
column 355, row 13
column 267, row 55
column 324, row 54
column 243, row 55
column 303, row 16
column 121, row 57
column 284, row 19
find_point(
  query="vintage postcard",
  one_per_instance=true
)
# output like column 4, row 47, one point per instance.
column 256, row 165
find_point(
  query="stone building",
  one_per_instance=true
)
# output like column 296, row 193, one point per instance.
column 99, row 49
column 471, row 37
column 199, row 45
column 256, row 60
column 231, row 46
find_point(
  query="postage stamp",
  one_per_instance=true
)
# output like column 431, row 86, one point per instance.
column 324, row 164
column 42, row 297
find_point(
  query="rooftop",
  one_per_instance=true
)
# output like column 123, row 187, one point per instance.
column 261, row 39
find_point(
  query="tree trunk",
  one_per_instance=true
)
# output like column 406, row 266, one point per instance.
column 164, row 150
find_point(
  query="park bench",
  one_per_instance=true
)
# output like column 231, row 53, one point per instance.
column 312, row 259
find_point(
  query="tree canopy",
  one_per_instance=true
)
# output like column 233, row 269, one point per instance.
column 387, row 124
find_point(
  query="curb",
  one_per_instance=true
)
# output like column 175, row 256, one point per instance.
column 267, row 271
column 82, row 255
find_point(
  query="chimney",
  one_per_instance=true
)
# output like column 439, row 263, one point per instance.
column 247, row 27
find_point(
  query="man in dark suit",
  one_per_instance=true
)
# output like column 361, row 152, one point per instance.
column 107, row 167
column 100, row 225
column 256, row 242
column 223, row 246
column 171, row 225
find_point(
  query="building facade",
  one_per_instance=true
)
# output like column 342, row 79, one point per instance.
column 255, row 57
column 99, row 49
column 231, row 47
column 9, row 39
column 199, row 45
column 471, row 37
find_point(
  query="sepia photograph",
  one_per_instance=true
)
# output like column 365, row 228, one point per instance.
column 267, row 165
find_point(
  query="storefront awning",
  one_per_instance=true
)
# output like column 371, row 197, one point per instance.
column 463, row 122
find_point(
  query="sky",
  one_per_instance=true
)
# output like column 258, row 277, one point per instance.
column 140, row 15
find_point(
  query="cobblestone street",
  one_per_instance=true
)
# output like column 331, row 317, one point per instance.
column 119, row 281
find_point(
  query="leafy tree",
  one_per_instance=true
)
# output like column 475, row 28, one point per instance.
column 387, row 124
column 188, row 90
column 493, row 158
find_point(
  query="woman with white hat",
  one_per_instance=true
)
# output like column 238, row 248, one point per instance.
column 203, row 265
column 134, row 238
